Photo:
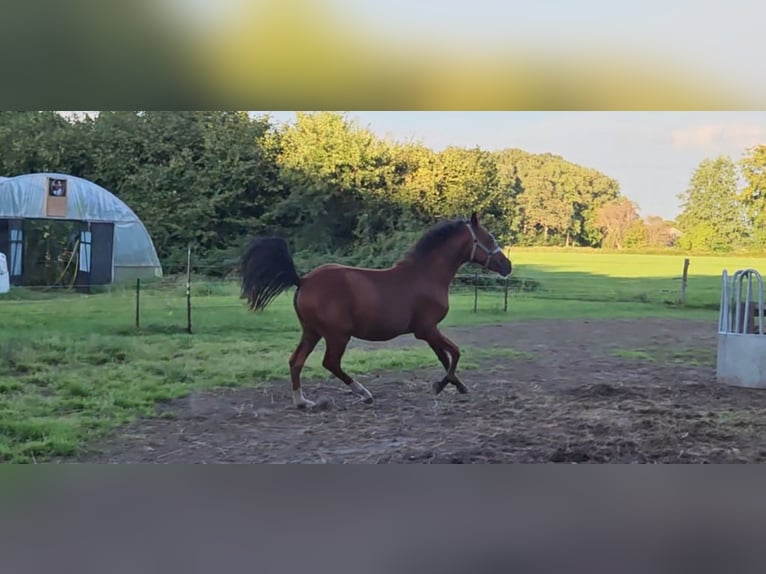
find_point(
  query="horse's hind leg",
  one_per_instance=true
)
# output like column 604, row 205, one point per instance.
column 335, row 347
column 309, row 340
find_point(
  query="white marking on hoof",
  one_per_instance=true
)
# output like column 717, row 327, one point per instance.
column 360, row 390
column 300, row 401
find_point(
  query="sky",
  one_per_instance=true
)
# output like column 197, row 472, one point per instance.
column 651, row 154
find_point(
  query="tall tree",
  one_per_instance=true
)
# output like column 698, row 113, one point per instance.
column 712, row 217
column 510, row 188
column 419, row 175
column 637, row 235
column 552, row 200
column 659, row 233
column 329, row 166
column 32, row 142
column 205, row 178
column 467, row 181
column 753, row 196
column 617, row 219
column 596, row 189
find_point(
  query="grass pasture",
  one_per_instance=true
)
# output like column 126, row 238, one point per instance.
column 74, row 367
column 589, row 275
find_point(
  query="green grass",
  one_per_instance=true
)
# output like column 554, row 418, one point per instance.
column 74, row 367
column 589, row 275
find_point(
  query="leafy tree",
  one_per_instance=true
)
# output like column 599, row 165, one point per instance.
column 467, row 180
column 205, row 178
column 753, row 196
column 636, row 235
column 551, row 200
column 32, row 142
column 211, row 178
column 618, row 219
column 510, row 188
column 596, row 189
column 712, row 217
column 418, row 181
column 329, row 166
column 659, row 233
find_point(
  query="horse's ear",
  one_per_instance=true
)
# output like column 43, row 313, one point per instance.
column 474, row 220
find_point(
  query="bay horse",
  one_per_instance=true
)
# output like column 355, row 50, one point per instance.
column 337, row 302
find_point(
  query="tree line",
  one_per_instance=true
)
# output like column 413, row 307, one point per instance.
column 724, row 205
column 330, row 186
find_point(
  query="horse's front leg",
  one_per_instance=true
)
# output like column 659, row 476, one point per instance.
column 444, row 359
column 444, row 350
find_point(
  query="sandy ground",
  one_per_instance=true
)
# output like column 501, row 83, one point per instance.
column 579, row 394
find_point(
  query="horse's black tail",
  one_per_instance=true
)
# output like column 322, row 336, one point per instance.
column 267, row 269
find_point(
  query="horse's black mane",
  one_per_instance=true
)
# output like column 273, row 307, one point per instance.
column 437, row 235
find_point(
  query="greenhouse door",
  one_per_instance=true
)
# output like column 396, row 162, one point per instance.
column 96, row 248
column 12, row 245
column 102, row 235
column 5, row 239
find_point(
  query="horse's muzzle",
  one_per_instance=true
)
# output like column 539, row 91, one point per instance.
column 502, row 266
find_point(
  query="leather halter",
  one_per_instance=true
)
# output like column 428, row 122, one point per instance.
column 476, row 243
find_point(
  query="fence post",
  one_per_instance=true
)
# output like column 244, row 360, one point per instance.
column 188, row 290
column 475, row 291
column 138, row 302
column 684, row 281
column 505, row 304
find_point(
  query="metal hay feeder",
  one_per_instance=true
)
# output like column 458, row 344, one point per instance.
column 741, row 340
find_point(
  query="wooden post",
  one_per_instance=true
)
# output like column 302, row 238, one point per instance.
column 138, row 302
column 188, row 291
column 684, row 281
column 475, row 291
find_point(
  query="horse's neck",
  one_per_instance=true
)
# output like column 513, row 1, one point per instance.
column 450, row 269
column 439, row 269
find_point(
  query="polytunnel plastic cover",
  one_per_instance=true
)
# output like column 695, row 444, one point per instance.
column 24, row 197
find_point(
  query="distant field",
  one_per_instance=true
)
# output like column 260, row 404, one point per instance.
column 592, row 276
column 612, row 264
column 72, row 367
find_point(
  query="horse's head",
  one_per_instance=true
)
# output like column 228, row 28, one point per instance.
column 484, row 249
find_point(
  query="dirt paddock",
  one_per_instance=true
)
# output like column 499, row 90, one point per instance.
column 580, row 391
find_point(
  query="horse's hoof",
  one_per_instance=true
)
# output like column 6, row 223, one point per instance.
column 367, row 400
column 461, row 388
column 305, row 404
column 438, row 386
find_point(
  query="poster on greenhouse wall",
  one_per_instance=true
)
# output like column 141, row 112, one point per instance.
column 56, row 198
